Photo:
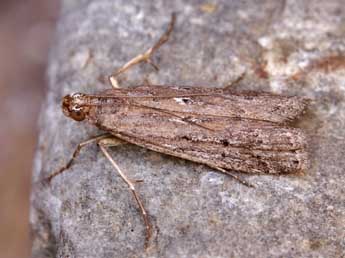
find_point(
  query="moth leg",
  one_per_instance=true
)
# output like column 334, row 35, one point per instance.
column 75, row 154
column 138, row 180
column 114, row 83
column 242, row 181
column 147, row 82
column 146, row 56
column 103, row 144
column 236, row 81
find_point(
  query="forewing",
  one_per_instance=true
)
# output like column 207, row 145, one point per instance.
column 232, row 143
column 218, row 102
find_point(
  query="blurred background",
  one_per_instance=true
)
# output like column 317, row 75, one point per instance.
column 26, row 32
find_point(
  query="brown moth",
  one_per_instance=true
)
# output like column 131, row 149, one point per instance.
column 226, row 130
column 242, row 131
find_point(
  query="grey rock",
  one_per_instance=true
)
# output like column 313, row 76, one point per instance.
column 289, row 47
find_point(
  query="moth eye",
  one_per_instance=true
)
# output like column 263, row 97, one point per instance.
column 77, row 114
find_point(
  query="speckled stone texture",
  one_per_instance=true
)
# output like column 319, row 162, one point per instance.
column 289, row 47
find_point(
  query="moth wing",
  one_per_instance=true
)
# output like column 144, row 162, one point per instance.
column 231, row 143
column 216, row 102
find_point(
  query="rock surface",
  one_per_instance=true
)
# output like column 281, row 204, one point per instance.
column 289, row 47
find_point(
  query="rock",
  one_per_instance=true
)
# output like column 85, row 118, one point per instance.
column 288, row 47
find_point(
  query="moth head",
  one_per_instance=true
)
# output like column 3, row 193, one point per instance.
column 74, row 106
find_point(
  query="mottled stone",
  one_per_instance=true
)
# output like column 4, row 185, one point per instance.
column 288, row 47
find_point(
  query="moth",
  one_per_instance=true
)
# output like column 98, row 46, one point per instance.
column 224, row 129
